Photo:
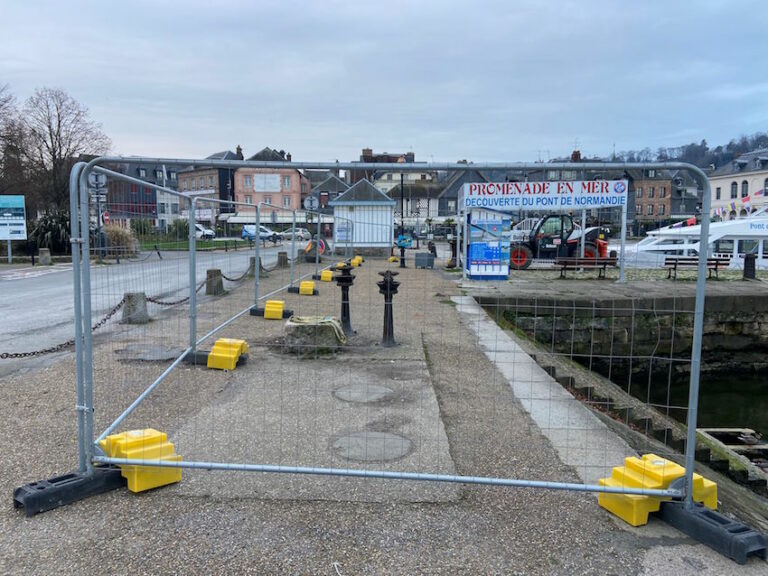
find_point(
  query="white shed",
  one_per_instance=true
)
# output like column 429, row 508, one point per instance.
column 364, row 217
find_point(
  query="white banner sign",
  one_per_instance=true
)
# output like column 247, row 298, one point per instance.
column 514, row 196
column 266, row 182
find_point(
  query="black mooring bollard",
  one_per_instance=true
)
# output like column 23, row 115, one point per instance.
column 345, row 279
column 388, row 287
column 402, row 257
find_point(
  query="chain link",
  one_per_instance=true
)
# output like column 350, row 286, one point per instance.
column 228, row 279
column 174, row 302
column 63, row 345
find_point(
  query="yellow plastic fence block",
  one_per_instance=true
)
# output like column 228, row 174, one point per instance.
column 146, row 444
column 226, row 352
column 306, row 288
column 340, row 264
column 356, row 261
column 141, row 478
column 393, row 259
column 632, row 509
column 704, row 491
column 652, row 472
column 326, row 276
column 273, row 309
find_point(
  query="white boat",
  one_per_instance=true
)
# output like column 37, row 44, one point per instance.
column 729, row 239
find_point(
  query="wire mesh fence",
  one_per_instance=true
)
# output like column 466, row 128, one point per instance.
column 479, row 376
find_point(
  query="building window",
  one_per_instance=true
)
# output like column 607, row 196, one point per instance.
column 639, row 192
column 210, row 181
column 734, row 190
column 248, row 199
column 248, row 182
column 303, row 187
column 651, row 173
column 159, row 174
column 650, row 210
column 142, row 173
column 194, row 183
column 286, row 181
column 184, row 185
column 174, row 208
column 173, row 175
column 717, row 193
column 651, row 192
column 286, row 201
column 268, row 199
column 663, row 192
column 389, row 176
column 161, row 208
column 202, row 182
column 638, row 209
column 662, row 209
column 744, row 189
column 553, row 175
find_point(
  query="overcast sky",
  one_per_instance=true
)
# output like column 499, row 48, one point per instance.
column 486, row 81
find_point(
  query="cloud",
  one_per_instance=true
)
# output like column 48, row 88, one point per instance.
column 490, row 80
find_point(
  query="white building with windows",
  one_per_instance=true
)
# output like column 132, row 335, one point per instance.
column 741, row 186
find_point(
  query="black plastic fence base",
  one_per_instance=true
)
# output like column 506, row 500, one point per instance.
column 50, row 494
column 200, row 358
column 293, row 289
column 260, row 312
column 317, row 276
column 730, row 538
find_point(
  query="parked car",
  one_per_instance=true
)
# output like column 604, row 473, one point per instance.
column 203, row 233
column 300, row 233
column 249, row 233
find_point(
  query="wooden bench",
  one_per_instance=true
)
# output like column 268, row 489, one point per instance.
column 575, row 263
column 672, row 263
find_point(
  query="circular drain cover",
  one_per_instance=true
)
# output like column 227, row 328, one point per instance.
column 362, row 393
column 369, row 446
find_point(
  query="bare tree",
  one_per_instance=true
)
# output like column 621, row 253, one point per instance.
column 11, row 136
column 58, row 130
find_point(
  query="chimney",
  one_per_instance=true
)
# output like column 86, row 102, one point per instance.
column 288, row 156
column 239, row 152
column 576, row 156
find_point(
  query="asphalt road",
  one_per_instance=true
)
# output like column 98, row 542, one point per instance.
column 37, row 303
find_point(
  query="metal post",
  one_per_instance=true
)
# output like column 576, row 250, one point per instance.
column 10, row 256
column 87, row 406
column 293, row 245
column 583, row 232
column 464, row 249
column 256, row 256
column 74, row 224
column 317, row 245
column 698, row 329
column 192, row 274
column 622, row 256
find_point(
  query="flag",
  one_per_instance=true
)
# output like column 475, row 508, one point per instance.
column 758, row 193
column 691, row 221
column 677, row 224
column 745, row 199
column 733, row 206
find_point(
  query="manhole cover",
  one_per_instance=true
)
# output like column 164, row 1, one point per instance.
column 362, row 393
column 369, row 446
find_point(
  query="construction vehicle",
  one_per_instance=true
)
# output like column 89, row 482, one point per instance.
column 554, row 236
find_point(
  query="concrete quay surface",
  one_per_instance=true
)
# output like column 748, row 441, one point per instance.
column 439, row 402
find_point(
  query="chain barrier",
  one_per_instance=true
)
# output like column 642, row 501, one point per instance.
column 99, row 324
column 241, row 277
column 63, row 345
column 174, row 302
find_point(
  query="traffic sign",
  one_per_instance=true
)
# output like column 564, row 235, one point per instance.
column 311, row 203
column 96, row 180
column 106, row 217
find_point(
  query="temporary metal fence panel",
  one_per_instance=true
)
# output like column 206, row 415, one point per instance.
column 476, row 382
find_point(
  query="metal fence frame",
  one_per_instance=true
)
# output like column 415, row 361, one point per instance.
column 89, row 452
